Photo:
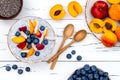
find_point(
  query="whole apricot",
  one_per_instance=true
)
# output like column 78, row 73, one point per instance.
column 117, row 32
column 109, row 39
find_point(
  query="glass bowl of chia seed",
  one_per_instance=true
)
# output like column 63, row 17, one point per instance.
column 10, row 8
column 31, row 39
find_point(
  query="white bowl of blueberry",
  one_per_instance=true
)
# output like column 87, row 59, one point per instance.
column 31, row 39
column 89, row 73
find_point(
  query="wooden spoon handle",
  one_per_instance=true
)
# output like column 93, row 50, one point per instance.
column 62, row 43
column 62, row 50
column 54, row 62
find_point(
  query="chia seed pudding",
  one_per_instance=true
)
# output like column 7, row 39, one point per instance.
column 10, row 8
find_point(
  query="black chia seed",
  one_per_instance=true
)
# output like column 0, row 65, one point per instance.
column 10, row 8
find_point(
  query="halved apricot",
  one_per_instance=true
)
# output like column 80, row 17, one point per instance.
column 57, row 12
column 96, row 25
column 110, row 25
column 113, row 1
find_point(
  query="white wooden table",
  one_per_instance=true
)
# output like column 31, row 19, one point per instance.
column 91, row 49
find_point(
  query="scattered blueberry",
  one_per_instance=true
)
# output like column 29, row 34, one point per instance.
column 83, row 72
column 28, row 40
column 14, row 66
column 90, row 76
column 36, row 41
column 73, row 52
column 101, row 73
column 79, row 58
column 45, row 41
column 37, row 53
column 8, row 68
column 74, row 76
column 29, row 46
column 42, row 28
column 20, row 71
column 70, row 78
column 86, row 67
column 27, row 32
column 17, row 33
column 69, row 56
column 27, row 69
column 23, row 54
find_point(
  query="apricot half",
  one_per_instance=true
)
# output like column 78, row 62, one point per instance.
column 113, row 1
column 110, row 25
column 74, row 8
column 114, row 12
column 57, row 12
column 96, row 25
column 109, row 39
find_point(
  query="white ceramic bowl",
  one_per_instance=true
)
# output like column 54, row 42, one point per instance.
column 16, row 51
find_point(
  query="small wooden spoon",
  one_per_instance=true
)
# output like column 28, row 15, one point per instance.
column 79, row 36
column 68, row 31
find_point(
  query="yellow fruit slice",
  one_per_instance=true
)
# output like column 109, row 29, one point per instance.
column 46, row 32
column 114, row 1
column 18, row 40
column 31, row 26
column 31, row 52
column 35, row 22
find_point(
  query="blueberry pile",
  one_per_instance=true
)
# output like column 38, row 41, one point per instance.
column 89, row 73
column 73, row 52
column 19, row 70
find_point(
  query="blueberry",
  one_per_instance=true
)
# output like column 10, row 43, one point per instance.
column 27, row 32
column 77, row 72
column 79, row 78
column 69, row 56
column 23, row 54
column 105, row 78
column 42, row 28
column 36, row 41
column 96, row 76
column 14, row 66
column 105, row 74
column 8, row 68
column 73, row 52
column 28, row 40
column 74, row 76
column 17, row 33
column 90, row 76
column 86, row 67
column 101, row 78
column 32, row 36
column 79, row 58
column 29, row 46
column 84, row 78
column 93, row 68
column 37, row 53
column 83, row 72
column 70, row 78
column 27, row 69
column 100, row 73
column 20, row 71
column 45, row 41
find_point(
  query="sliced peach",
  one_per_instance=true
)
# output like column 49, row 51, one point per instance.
column 113, row 1
column 18, row 39
column 31, row 52
column 96, row 25
column 109, row 39
column 46, row 32
column 110, row 25
column 32, row 27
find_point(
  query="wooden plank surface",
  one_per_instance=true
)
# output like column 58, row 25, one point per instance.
column 91, row 49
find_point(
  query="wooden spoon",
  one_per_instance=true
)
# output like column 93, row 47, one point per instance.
column 79, row 36
column 68, row 31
